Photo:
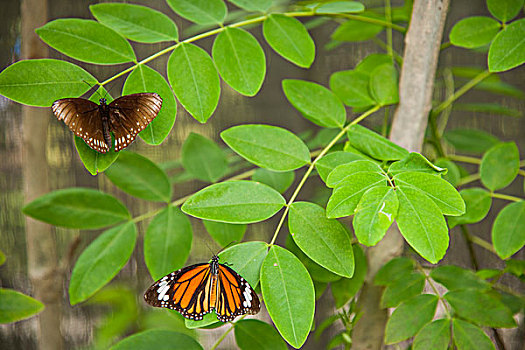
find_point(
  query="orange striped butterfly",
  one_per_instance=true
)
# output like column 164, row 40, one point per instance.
column 199, row 289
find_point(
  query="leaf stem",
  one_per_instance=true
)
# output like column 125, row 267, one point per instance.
column 461, row 91
column 223, row 336
column 481, row 242
column 378, row 21
column 434, row 288
column 312, row 165
column 468, row 179
column 506, row 197
column 464, row 159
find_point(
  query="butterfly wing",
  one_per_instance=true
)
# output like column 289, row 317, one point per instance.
column 187, row 290
column 235, row 296
column 83, row 118
column 130, row 114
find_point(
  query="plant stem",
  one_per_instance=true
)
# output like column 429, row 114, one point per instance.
column 506, row 197
column 312, row 165
column 464, row 159
column 469, row 179
column 388, row 18
column 202, row 36
column 434, row 288
column 219, row 341
column 461, row 91
column 374, row 21
column 481, row 242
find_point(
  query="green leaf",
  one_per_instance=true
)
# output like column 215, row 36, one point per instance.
column 235, row 202
column 352, row 87
column 167, row 242
column 77, row 208
column 468, row 336
column 40, row 82
column 93, row 161
column 515, row 267
column 240, row 60
column 470, row 140
column 415, row 162
column 402, row 289
column 200, row 11
column 2, row 258
column 137, row 23
column 454, row 278
column 504, row 10
column 375, row 212
column 145, row 79
column 435, row 336
column 101, row 261
column 329, row 162
column 480, row 308
column 194, row 79
column 87, row 41
column 508, row 235
column 500, row 165
column 140, row 177
column 316, row 271
column 279, row 181
column 290, row 39
column 346, row 288
column 257, row 335
column 15, row 306
column 223, row 233
column 374, row 145
column 253, row 5
column 353, row 30
column 203, row 158
column 209, row 321
column 508, row 48
column 384, row 84
column 422, row 224
column 246, row 259
column 315, row 102
column 440, row 191
column 323, row 240
column 339, row 175
column 394, row 270
column 158, row 339
column 340, row 7
column 477, row 206
column 514, row 303
column 452, row 174
column 288, row 294
column 371, row 62
column 489, row 108
column 345, row 198
column 410, row 317
column 267, row 146
column 472, row 32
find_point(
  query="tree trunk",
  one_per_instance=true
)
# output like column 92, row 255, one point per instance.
column 422, row 44
column 42, row 260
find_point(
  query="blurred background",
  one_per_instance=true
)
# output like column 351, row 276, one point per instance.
column 119, row 309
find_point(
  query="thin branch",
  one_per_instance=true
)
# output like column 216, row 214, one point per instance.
column 312, row 165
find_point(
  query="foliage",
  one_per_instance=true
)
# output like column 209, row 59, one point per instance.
column 370, row 178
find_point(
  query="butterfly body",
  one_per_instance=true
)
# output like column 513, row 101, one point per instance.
column 103, row 109
column 125, row 117
column 202, row 288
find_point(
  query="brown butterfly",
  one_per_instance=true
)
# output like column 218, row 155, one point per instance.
column 125, row 117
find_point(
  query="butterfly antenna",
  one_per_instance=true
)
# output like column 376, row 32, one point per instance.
column 211, row 251
column 227, row 246
column 91, row 87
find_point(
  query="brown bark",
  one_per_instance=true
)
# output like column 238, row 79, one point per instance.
column 42, row 260
column 416, row 85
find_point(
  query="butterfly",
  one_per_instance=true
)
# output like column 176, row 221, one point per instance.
column 125, row 117
column 198, row 289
